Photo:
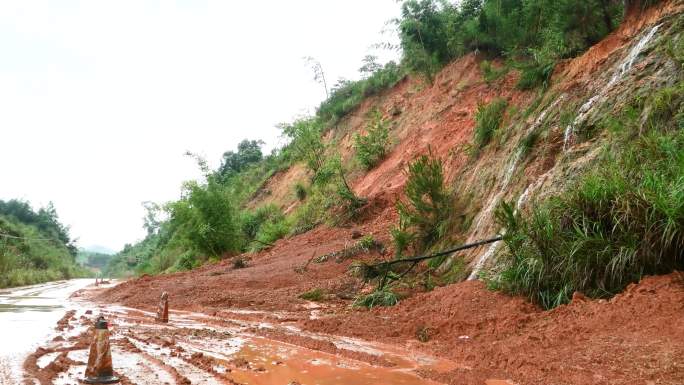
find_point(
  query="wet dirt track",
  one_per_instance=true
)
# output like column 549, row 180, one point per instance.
column 195, row 348
column 27, row 318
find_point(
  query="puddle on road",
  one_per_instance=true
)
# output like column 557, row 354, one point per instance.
column 272, row 363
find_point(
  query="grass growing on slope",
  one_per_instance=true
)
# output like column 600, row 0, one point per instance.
column 489, row 118
column 618, row 223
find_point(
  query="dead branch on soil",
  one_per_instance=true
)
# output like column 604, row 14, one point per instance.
column 383, row 269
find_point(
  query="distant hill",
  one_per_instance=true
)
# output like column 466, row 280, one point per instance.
column 92, row 259
column 99, row 249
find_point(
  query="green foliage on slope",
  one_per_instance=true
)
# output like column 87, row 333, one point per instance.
column 34, row 246
column 539, row 32
column 372, row 147
column 619, row 222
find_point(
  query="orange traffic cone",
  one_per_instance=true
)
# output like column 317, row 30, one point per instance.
column 99, row 369
column 163, row 309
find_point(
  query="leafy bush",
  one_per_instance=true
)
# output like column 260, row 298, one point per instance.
column 249, row 152
column 306, row 142
column 621, row 221
column 300, row 191
column 427, row 213
column 371, row 148
column 187, row 261
column 489, row 118
column 490, row 73
column 270, row 232
column 535, row 74
column 207, row 218
column 383, row 297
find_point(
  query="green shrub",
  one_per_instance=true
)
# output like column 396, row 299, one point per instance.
column 383, row 297
column 270, row 232
column 426, row 215
column 623, row 220
column 490, row 73
column 206, row 216
column 367, row 242
column 186, row 261
column 253, row 222
column 315, row 295
column 535, row 75
column 488, row 118
column 372, row 147
column 306, row 142
column 300, row 191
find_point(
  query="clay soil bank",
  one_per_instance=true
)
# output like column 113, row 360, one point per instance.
column 635, row 338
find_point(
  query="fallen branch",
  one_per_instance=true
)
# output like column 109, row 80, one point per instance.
column 383, row 268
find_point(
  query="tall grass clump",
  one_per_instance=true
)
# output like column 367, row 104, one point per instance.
column 618, row 223
column 489, row 118
column 372, row 147
column 384, row 297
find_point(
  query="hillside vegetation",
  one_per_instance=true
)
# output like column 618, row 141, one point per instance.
column 584, row 232
column 34, row 246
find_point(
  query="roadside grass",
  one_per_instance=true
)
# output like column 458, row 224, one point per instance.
column 619, row 222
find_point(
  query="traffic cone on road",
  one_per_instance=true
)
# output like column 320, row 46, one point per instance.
column 163, row 309
column 99, row 369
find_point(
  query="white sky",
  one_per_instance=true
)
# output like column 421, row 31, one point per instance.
column 100, row 99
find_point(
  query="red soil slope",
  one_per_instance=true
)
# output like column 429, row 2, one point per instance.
column 636, row 338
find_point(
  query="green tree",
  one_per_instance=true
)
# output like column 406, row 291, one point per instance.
column 207, row 218
column 248, row 152
column 306, row 142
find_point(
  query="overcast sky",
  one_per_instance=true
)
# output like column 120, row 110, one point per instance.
column 100, row 99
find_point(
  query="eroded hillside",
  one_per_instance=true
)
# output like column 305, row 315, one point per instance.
column 548, row 139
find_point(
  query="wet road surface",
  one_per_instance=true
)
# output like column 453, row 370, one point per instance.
column 27, row 318
column 195, row 348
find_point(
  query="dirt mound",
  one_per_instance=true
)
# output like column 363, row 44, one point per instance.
column 635, row 338
column 268, row 282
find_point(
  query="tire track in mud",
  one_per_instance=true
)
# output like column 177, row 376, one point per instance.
column 133, row 365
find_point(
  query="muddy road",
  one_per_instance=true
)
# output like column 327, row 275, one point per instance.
column 27, row 318
column 239, row 347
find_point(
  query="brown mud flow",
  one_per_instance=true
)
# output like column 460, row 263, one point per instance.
column 199, row 349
